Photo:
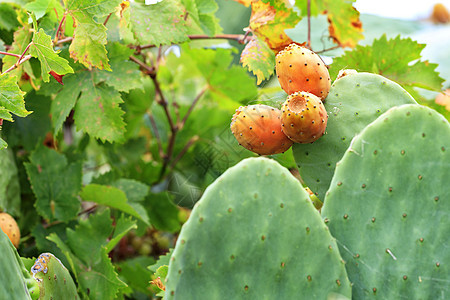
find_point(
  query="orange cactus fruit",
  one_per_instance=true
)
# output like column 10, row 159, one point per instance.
column 258, row 129
column 303, row 117
column 10, row 227
column 301, row 70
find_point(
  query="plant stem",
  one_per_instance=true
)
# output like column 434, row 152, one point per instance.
column 157, row 136
column 10, row 54
column 191, row 141
column 107, row 19
column 24, row 59
column 309, row 25
column 240, row 38
column 328, row 49
column 150, row 70
column 58, row 31
column 181, row 125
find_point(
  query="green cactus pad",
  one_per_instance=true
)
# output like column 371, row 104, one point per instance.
column 354, row 101
column 14, row 279
column 255, row 234
column 53, row 278
column 388, row 206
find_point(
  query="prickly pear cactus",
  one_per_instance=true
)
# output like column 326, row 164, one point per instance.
column 388, row 206
column 255, row 234
column 53, row 278
column 14, row 278
column 353, row 102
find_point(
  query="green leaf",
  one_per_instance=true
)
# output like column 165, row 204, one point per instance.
column 259, row 59
column 3, row 144
column 98, row 113
column 42, row 48
column 22, row 38
column 55, row 184
column 9, row 183
column 135, row 191
column 201, row 16
column 110, row 196
column 135, row 273
column 125, row 74
column 90, row 235
column 8, row 17
column 88, row 256
column 158, row 24
column 66, row 99
column 88, row 45
column 38, row 7
column 162, row 260
column 123, row 226
column 397, row 59
column 11, row 97
column 163, row 213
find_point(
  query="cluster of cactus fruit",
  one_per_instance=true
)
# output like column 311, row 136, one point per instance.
column 302, row 119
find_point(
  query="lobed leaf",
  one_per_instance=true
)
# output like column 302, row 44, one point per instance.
column 42, row 48
column 55, row 184
column 259, row 59
column 11, row 98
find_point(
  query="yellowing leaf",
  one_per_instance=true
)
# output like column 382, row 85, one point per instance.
column 269, row 22
column 259, row 59
column 345, row 27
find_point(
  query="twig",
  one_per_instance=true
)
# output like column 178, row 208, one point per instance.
column 309, row 25
column 240, row 38
column 107, row 19
column 150, row 70
column 64, row 40
column 186, row 147
column 24, row 59
column 59, row 27
column 181, row 125
column 162, row 101
column 329, row 49
column 11, row 54
column 158, row 137
column 23, row 54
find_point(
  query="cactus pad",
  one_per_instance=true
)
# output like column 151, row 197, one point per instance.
column 53, row 278
column 14, row 279
column 255, row 234
column 353, row 102
column 389, row 205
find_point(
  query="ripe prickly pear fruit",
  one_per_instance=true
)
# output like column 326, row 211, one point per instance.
column 10, row 227
column 303, row 118
column 258, row 129
column 300, row 69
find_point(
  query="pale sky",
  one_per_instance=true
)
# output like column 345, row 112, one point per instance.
column 400, row 9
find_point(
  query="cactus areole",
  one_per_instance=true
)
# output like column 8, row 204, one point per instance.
column 258, row 129
column 301, row 70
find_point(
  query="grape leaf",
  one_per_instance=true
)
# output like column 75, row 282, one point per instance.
column 214, row 65
column 3, row 144
column 201, row 16
column 123, row 226
column 259, row 59
column 159, row 24
column 11, row 98
column 112, row 197
column 8, row 17
column 38, row 7
column 86, row 252
column 98, row 113
column 88, row 45
column 397, row 59
column 269, row 20
column 125, row 74
column 9, row 183
column 66, row 99
column 345, row 28
column 135, row 273
column 42, row 48
column 55, row 183
column 163, row 213
column 22, row 38
column 135, row 191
